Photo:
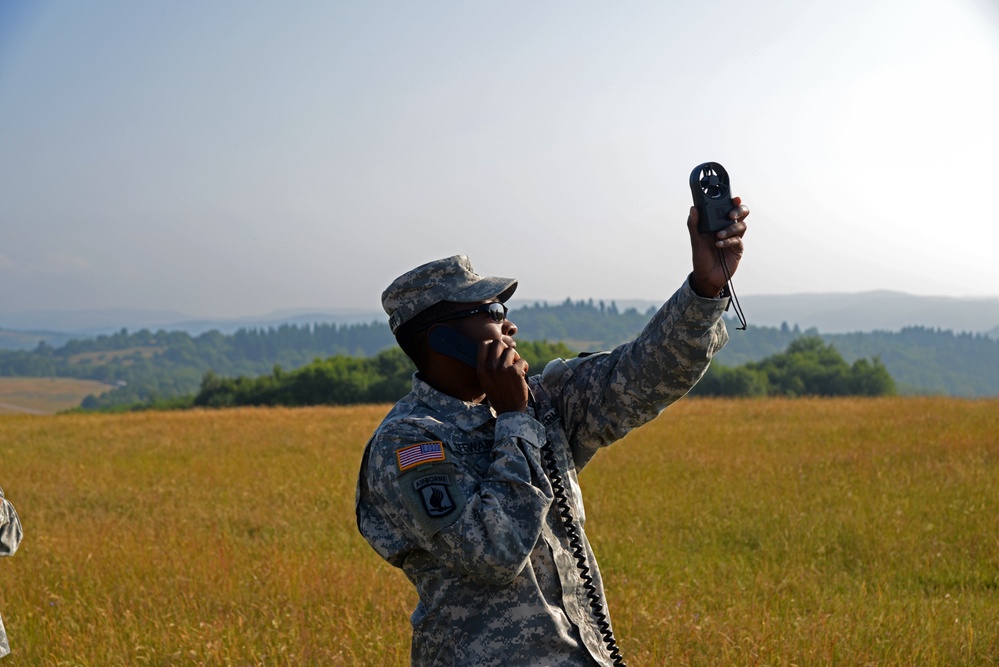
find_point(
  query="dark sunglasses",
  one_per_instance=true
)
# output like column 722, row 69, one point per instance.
column 496, row 311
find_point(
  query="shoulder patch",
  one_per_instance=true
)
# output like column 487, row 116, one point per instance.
column 414, row 455
column 435, row 492
column 432, row 496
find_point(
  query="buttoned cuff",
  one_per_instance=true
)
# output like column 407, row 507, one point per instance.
column 696, row 306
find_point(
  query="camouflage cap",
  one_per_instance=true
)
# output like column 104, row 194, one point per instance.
column 451, row 279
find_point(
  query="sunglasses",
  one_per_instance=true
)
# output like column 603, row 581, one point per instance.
column 496, row 311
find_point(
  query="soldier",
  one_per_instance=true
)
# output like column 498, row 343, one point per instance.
column 463, row 483
column 10, row 538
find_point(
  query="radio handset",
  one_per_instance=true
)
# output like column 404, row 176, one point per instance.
column 451, row 342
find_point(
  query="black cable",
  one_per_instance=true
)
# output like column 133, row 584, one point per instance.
column 731, row 290
column 579, row 553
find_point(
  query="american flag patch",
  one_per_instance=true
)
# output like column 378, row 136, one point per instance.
column 414, row 455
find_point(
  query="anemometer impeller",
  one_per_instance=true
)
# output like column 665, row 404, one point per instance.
column 712, row 196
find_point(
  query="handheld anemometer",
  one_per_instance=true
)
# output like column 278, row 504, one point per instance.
column 712, row 192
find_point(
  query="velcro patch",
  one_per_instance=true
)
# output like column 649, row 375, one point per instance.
column 414, row 455
column 435, row 492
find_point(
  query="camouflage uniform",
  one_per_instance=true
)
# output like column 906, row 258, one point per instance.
column 461, row 500
column 10, row 538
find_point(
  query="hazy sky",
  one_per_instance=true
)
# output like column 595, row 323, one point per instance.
column 234, row 157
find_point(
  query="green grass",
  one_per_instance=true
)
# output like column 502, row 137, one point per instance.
column 809, row 532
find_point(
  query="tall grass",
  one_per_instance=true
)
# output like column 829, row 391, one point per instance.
column 815, row 532
column 808, row 532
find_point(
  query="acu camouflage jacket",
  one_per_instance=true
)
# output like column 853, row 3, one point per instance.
column 461, row 500
column 10, row 538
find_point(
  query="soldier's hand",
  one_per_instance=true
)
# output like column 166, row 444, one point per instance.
column 708, row 277
column 503, row 375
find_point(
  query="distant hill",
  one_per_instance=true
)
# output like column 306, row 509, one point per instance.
column 875, row 311
column 29, row 340
column 91, row 323
column 828, row 313
column 847, row 313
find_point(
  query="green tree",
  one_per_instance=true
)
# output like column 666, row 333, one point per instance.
column 726, row 381
column 809, row 367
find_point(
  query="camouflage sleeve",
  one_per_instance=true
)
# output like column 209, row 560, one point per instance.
column 4, row 646
column 602, row 397
column 481, row 527
column 10, row 527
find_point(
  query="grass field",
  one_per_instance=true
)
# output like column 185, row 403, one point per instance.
column 771, row 532
column 27, row 395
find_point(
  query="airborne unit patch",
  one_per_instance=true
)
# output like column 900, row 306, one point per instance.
column 435, row 492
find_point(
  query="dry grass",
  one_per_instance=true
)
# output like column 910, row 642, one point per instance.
column 826, row 532
column 811, row 532
column 20, row 395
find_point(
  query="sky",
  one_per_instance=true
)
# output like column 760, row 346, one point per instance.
column 237, row 157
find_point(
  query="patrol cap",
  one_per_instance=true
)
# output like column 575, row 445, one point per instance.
column 451, row 279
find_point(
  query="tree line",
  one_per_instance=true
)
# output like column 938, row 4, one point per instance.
column 808, row 367
column 145, row 367
column 337, row 380
column 922, row 360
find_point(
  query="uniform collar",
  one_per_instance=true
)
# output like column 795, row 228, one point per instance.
column 466, row 416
